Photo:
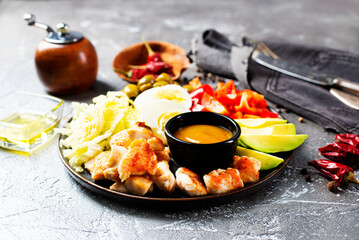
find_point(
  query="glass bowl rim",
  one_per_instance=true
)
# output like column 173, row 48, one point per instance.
column 59, row 101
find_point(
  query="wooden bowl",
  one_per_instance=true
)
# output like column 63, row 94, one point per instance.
column 137, row 54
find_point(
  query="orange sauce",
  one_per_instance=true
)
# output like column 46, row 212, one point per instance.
column 203, row 134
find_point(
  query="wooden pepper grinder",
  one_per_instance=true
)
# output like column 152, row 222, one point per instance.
column 66, row 61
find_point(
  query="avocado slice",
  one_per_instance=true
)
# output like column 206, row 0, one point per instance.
column 273, row 143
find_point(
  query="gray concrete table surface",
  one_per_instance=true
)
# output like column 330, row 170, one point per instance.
column 40, row 200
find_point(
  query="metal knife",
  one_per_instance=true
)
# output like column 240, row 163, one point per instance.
column 305, row 73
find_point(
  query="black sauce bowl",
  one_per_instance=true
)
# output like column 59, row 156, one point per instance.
column 202, row 158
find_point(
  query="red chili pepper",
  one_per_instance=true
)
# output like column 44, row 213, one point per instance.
column 338, row 172
column 157, row 68
column 154, row 66
column 348, row 138
column 155, row 57
column 341, row 152
column 138, row 73
column 152, row 56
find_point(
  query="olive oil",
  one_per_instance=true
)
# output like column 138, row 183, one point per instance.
column 26, row 130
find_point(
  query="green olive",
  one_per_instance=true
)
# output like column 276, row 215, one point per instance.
column 164, row 77
column 188, row 87
column 131, row 90
column 160, row 83
column 145, row 86
column 146, row 79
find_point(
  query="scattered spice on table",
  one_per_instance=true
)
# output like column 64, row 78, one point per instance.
column 306, row 175
column 333, row 186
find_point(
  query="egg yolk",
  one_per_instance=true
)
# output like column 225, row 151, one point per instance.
column 174, row 95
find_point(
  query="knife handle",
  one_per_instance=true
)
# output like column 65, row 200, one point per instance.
column 347, row 85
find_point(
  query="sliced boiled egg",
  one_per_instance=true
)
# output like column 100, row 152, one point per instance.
column 171, row 92
column 156, row 114
column 158, row 105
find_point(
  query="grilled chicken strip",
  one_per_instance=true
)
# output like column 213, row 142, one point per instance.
column 248, row 168
column 139, row 185
column 164, row 178
column 222, row 181
column 163, row 155
column 119, row 186
column 98, row 164
column 139, row 159
column 189, row 182
column 126, row 137
column 111, row 172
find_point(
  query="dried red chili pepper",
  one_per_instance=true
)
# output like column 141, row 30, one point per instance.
column 338, row 172
column 341, row 152
column 348, row 138
column 154, row 66
column 157, row 68
column 138, row 73
column 155, row 57
column 152, row 56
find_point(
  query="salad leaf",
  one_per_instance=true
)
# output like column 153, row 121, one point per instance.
column 93, row 124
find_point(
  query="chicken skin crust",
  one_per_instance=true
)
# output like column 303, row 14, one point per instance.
column 222, row 181
column 126, row 137
column 190, row 183
column 139, row 185
column 164, row 178
column 248, row 167
column 139, row 159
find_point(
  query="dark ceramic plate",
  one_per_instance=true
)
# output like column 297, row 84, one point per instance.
column 177, row 199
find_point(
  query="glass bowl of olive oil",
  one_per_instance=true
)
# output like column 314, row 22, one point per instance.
column 27, row 120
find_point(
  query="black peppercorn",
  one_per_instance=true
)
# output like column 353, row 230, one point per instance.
column 304, row 171
column 308, row 178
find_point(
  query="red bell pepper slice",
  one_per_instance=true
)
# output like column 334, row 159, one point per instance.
column 198, row 108
column 250, row 116
column 268, row 114
column 236, row 115
column 245, row 106
column 227, row 93
column 198, row 93
column 254, row 99
column 213, row 105
column 195, row 83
